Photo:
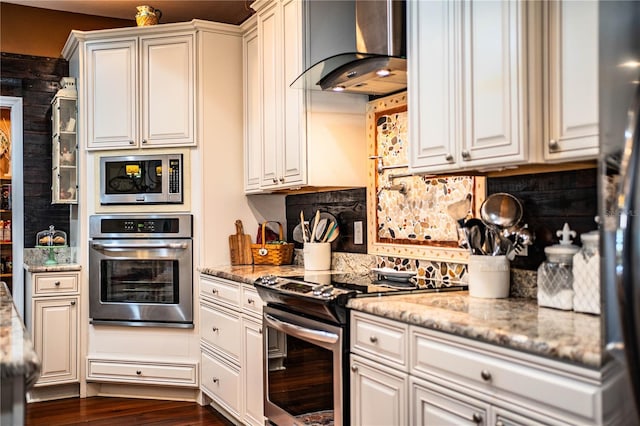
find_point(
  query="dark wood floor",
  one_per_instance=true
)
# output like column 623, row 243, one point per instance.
column 99, row 411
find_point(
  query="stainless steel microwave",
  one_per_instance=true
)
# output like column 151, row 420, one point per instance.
column 141, row 179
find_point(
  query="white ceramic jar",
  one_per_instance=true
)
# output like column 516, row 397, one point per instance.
column 586, row 275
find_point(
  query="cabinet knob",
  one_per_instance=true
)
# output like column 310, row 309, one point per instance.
column 215, row 380
column 56, row 283
column 214, row 291
column 553, row 144
column 215, row 329
column 144, row 141
column 373, row 339
column 131, row 142
column 138, row 372
column 260, row 330
column 486, row 375
column 354, row 368
column 499, row 423
column 448, row 158
column 466, row 155
column 274, row 180
column 477, row 418
column 250, row 301
column 281, row 180
column 73, row 302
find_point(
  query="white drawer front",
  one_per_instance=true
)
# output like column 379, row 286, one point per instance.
column 143, row 372
column 220, row 291
column 251, row 302
column 221, row 382
column 380, row 338
column 55, row 283
column 221, row 329
column 432, row 356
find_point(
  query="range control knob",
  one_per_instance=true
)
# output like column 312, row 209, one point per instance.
column 327, row 292
column 268, row 280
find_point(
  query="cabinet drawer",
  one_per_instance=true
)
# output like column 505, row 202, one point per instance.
column 142, row 372
column 377, row 337
column 221, row 328
column 221, row 381
column 251, row 301
column 431, row 355
column 51, row 283
column 220, row 291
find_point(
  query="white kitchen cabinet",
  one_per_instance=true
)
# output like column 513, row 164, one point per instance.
column 467, row 85
column 52, row 315
column 141, row 372
column 64, row 150
column 570, row 47
column 438, row 378
column 294, row 138
column 378, row 394
column 232, row 348
column 140, row 90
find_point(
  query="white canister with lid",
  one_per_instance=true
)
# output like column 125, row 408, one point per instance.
column 555, row 275
column 586, row 275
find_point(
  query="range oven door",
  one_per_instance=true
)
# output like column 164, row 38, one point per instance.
column 141, row 282
column 303, row 369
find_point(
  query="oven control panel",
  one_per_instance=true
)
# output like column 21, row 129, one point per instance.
column 308, row 289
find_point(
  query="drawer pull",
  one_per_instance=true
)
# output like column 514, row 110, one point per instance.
column 73, row 302
column 215, row 380
column 354, row 368
column 214, row 291
column 486, row 375
column 138, row 372
column 215, row 329
column 477, row 418
column 448, row 158
column 250, row 301
column 466, row 156
column 373, row 339
column 553, row 145
column 57, row 283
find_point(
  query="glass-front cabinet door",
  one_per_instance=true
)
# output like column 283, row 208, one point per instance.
column 64, row 153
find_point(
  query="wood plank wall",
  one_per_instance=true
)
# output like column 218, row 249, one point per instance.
column 36, row 80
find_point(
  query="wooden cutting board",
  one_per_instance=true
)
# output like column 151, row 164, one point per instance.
column 240, row 246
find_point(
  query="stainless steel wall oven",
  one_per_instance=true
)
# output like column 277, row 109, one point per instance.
column 141, row 270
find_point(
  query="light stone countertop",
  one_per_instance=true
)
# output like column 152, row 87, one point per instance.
column 17, row 355
column 61, row 267
column 514, row 323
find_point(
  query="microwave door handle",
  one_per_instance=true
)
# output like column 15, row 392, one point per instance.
column 101, row 246
column 299, row 331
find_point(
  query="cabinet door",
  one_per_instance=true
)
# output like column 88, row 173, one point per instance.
column 432, row 405
column 221, row 381
column 55, row 335
column 433, row 63
column 252, row 370
column 293, row 140
column 378, row 394
column 571, row 79
column 168, row 84
column 271, row 96
column 493, row 79
column 220, row 329
column 252, row 123
column 112, row 91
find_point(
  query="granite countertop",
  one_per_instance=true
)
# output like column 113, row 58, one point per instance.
column 61, row 267
column 17, row 355
column 515, row 323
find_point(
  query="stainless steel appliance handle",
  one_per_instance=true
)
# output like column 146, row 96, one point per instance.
column 299, row 331
column 120, row 246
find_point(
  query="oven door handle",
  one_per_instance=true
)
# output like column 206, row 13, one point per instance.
column 299, row 331
column 101, row 246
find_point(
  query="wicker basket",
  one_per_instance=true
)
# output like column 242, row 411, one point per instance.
column 271, row 253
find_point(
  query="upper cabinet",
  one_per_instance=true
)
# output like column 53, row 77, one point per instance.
column 467, row 97
column 496, row 84
column 139, row 88
column 295, row 138
column 570, row 40
column 64, row 150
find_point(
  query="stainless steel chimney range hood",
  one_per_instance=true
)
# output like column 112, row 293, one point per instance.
column 378, row 66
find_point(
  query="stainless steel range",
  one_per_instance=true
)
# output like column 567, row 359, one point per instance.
column 307, row 343
column 141, row 270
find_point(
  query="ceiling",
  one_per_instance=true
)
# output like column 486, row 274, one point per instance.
column 227, row 11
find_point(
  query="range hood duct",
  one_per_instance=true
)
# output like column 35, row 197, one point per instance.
column 378, row 66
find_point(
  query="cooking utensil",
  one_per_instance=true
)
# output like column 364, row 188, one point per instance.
column 474, row 229
column 501, row 210
column 460, row 209
column 321, row 228
column 330, row 229
column 314, row 228
column 334, row 234
column 240, row 246
column 297, row 234
column 303, row 228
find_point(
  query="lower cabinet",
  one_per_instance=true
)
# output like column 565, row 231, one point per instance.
column 141, row 373
column 405, row 374
column 232, row 348
column 52, row 314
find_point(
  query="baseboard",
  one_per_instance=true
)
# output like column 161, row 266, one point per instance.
column 144, row 392
column 49, row 393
